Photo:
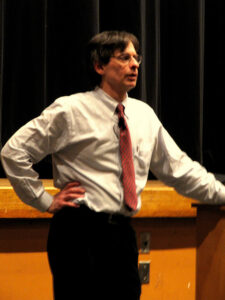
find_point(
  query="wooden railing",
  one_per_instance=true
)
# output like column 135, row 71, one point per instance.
column 158, row 200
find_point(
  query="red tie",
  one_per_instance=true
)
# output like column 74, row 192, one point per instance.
column 129, row 186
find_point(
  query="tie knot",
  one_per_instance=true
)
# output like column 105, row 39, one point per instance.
column 120, row 112
column 120, row 109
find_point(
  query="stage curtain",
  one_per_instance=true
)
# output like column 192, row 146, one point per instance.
column 182, row 41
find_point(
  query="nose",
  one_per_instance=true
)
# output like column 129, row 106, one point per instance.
column 134, row 63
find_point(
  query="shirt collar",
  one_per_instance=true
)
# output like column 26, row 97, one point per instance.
column 110, row 102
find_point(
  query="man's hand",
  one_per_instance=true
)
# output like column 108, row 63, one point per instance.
column 71, row 191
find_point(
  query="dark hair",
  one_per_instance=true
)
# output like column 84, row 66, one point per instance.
column 102, row 46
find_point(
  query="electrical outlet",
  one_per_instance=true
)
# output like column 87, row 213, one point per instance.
column 145, row 242
column 144, row 271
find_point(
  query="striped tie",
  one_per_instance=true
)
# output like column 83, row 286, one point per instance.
column 129, row 186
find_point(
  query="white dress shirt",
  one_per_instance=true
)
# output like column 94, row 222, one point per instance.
column 81, row 132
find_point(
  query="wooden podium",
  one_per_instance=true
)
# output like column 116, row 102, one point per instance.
column 210, row 267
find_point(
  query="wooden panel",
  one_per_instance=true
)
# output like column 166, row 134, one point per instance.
column 210, row 253
column 158, row 200
column 172, row 258
column 25, row 273
column 23, row 255
column 12, row 207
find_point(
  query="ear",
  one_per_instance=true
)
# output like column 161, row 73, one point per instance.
column 99, row 68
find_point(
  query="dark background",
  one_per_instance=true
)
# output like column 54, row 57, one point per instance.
column 42, row 57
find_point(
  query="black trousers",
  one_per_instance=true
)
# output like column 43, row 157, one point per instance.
column 93, row 255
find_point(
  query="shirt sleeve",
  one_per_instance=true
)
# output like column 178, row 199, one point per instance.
column 43, row 135
column 189, row 178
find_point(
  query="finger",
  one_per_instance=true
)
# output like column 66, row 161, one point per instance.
column 72, row 184
column 78, row 190
column 71, row 196
column 71, row 204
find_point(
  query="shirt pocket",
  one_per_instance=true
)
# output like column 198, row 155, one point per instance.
column 142, row 156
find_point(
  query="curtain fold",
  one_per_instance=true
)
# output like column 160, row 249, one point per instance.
column 182, row 41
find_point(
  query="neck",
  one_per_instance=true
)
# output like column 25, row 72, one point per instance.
column 119, row 96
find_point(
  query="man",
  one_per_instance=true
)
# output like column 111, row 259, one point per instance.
column 91, row 246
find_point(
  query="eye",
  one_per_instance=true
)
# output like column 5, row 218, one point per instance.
column 125, row 57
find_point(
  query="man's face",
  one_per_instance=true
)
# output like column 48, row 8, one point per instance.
column 120, row 74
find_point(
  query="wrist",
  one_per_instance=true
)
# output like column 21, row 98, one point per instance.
column 43, row 202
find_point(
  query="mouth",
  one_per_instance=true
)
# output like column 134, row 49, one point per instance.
column 132, row 76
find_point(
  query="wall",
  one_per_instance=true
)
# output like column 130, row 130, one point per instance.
column 25, row 274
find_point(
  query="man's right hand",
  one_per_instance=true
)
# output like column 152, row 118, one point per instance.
column 71, row 191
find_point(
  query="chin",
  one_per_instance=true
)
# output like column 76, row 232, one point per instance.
column 131, row 86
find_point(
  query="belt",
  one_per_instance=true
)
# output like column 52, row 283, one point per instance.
column 84, row 212
column 113, row 218
column 110, row 218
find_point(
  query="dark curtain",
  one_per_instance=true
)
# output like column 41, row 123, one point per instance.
column 42, row 51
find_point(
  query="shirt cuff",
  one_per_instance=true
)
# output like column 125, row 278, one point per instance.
column 221, row 197
column 43, row 202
